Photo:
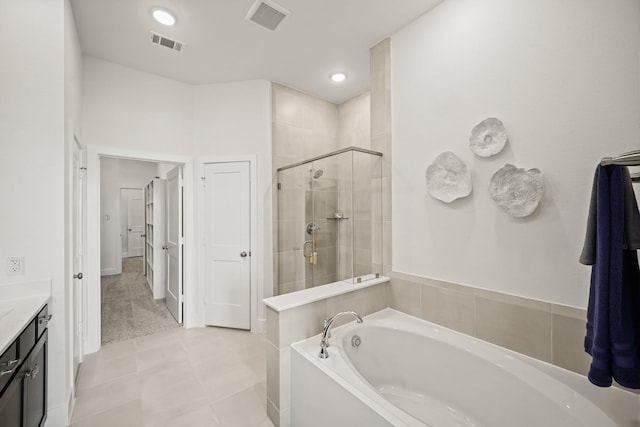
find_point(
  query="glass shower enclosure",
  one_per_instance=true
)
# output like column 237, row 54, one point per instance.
column 329, row 220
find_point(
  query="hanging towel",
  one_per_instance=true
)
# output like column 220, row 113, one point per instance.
column 613, row 314
column 631, row 220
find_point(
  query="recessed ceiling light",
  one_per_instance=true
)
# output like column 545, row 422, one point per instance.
column 163, row 17
column 338, row 77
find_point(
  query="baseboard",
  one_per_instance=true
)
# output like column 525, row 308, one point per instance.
column 72, row 404
column 58, row 416
column 109, row 271
column 125, row 255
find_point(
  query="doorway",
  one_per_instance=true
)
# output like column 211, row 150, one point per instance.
column 96, row 264
column 134, row 212
column 132, row 222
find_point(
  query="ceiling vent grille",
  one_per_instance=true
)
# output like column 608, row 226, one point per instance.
column 166, row 42
column 267, row 14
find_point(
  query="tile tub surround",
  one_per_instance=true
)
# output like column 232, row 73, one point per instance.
column 296, row 316
column 19, row 302
column 549, row 332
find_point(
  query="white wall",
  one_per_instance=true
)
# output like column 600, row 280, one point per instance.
column 136, row 111
column 563, row 76
column 114, row 175
column 123, row 107
column 32, row 117
column 234, row 119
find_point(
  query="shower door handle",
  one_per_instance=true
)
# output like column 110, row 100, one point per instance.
column 304, row 249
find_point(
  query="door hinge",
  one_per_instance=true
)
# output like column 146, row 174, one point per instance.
column 279, row 186
column 249, row 253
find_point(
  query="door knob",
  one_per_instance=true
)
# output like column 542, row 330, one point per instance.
column 129, row 229
column 78, row 276
column 243, row 254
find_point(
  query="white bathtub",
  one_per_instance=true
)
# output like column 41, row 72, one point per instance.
column 408, row 372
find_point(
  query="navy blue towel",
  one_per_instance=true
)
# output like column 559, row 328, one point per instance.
column 613, row 315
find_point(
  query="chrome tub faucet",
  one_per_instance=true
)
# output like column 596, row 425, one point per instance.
column 326, row 331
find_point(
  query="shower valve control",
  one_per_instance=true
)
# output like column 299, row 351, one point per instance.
column 311, row 227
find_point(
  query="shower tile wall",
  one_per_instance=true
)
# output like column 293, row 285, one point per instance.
column 354, row 122
column 304, row 127
column 354, row 129
column 380, row 71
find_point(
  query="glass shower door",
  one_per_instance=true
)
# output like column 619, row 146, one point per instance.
column 327, row 212
column 290, row 266
column 329, row 223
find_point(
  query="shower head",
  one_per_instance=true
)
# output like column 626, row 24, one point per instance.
column 317, row 174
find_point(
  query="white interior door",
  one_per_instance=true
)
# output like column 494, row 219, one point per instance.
column 78, row 251
column 228, row 245
column 135, row 222
column 173, row 247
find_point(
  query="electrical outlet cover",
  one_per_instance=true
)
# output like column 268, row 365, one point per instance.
column 15, row 265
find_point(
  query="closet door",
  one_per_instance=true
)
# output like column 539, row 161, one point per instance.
column 228, row 245
column 135, row 222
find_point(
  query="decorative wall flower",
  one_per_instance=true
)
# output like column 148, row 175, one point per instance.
column 448, row 178
column 488, row 137
column 516, row 191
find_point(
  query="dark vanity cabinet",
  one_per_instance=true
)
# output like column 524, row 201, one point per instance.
column 23, row 376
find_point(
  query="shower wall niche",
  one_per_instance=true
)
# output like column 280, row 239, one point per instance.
column 328, row 212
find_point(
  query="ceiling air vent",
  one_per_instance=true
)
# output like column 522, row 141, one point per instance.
column 267, row 14
column 166, row 42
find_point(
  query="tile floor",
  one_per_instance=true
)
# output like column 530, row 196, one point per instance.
column 180, row 377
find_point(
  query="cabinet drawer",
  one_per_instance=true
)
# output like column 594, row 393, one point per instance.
column 42, row 321
column 8, row 365
column 27, row 340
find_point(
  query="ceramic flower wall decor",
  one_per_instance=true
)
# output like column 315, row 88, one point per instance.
column 488, row 137
column 448, row 178
column 517, row 191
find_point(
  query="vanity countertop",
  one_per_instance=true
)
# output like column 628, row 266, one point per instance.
column 19, row 303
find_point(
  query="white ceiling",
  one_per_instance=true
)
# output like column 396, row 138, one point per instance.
column 318, row 38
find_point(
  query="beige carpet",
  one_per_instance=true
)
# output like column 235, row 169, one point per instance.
column 128, row 308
